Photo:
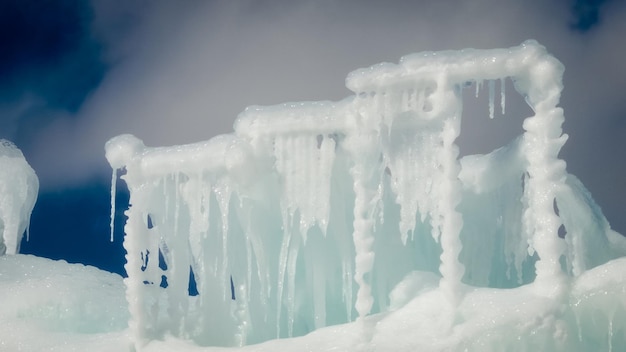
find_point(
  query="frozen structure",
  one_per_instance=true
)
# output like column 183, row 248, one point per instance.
column 19, row 187
column 322, row 213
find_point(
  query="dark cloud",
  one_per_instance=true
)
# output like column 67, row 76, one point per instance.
column 49, row 62
column 586, row 14
column 35, row 33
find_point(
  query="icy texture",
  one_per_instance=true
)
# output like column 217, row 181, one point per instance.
column 324, row 213
column 56, row 306
column 19, row 186
column 51, row 305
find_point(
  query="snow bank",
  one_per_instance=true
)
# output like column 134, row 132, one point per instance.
column 51, row 305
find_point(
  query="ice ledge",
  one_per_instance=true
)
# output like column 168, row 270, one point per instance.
column 535, row 72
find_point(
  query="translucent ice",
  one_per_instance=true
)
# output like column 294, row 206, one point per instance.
column 323, row 213
column 19, row 186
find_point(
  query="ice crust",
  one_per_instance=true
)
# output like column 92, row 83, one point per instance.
column 324, row 213
column 19, row 187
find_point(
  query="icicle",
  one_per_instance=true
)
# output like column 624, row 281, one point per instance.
column 319, row 295
column 176, row 204
column 166, row 197
column 363, row 237
column 249, row 264
column 578, row 327
column 178, row 279
column 256, row 251
column 478, row 84
column 326, row 156
column 610, row 333
column 113, row 188
column 223, row 194
column 347, row 287
column 492, row 93
column 242, row 314
column 282, row 267
column 404, row 100
column 291, row 284
column 502, row 94
column 304, row 165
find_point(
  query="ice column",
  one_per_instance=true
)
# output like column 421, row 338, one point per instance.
column 449, row 194
column 542, row 142
column 364, row 148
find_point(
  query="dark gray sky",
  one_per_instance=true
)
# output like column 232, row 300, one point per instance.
column 75, row 73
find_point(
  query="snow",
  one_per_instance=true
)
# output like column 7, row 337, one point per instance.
column 349, row 225
column 19, row 186
column 55, row 306
column 51, row 305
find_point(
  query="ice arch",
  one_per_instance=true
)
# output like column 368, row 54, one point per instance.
column 318, row 210
column 19, row 186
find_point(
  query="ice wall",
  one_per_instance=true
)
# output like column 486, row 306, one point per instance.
column 310, row 214
column 19, row 186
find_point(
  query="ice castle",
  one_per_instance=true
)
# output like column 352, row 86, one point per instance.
column 361, row 211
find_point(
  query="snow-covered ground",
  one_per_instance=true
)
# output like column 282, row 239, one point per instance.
column 55, row 306
column 50, row 305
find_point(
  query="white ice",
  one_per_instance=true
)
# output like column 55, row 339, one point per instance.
column 19, row 187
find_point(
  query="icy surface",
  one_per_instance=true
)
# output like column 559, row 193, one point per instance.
column 360, row 211
column 19, row 186
column 55, row 306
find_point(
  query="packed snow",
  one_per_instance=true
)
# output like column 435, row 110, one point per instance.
column 351, row 226
column 50, row 305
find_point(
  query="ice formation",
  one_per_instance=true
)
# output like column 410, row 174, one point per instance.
column 322, row 213
column 19, row 186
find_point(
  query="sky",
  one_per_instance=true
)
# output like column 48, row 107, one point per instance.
column 75, row 73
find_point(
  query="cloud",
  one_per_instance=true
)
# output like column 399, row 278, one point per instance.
column 182, row 73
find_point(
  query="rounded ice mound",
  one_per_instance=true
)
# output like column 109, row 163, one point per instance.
column 19, row 186
column 121, row 149
column 7, row 148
